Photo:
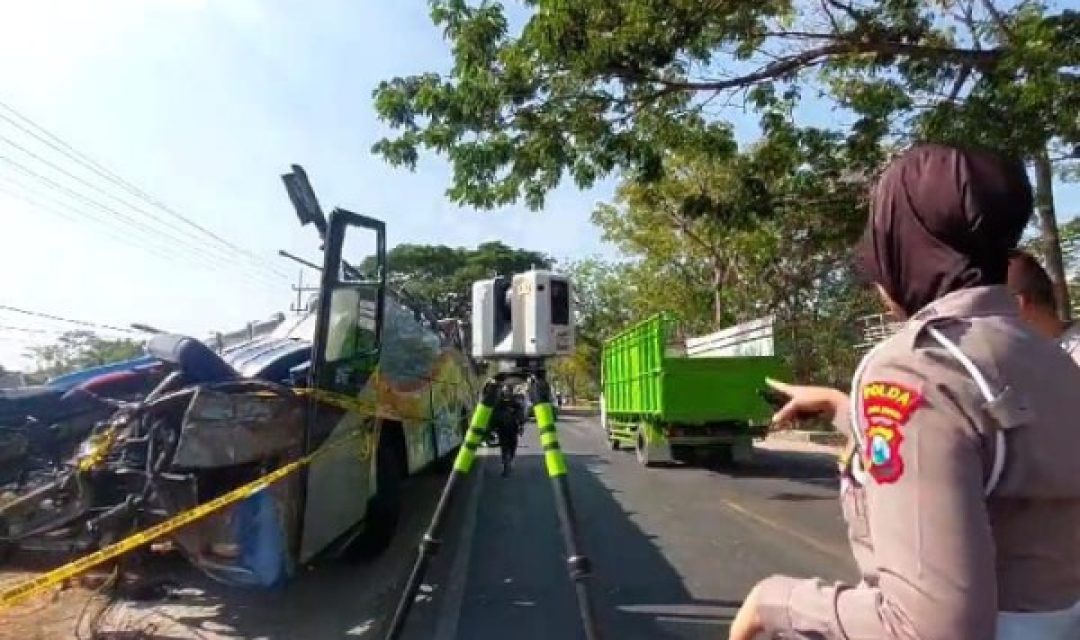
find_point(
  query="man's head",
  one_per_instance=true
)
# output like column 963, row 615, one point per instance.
column 1031, row 285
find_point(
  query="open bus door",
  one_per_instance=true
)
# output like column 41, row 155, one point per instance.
column 345, row 354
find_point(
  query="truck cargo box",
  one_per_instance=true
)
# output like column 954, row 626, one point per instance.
column 662, row 392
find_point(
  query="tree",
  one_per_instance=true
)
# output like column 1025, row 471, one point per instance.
column 765, row 231
column 440, row 277
column 75, row 350
column 575, row 373
column 592, row 87
column 604, row 298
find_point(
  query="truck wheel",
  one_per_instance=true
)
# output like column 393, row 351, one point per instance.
column 614, row 442
column 643, row 451
column 384, row 508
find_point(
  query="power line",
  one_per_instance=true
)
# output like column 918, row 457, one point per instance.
column 29, row 330
column 151, row 231
column 84, row 323
column 98, row 189
column 152, row 245
column 24, row 329
column 57, row 144
column 191, row 245
column 68, row 212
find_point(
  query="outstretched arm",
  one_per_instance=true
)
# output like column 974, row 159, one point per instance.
column 933, row 546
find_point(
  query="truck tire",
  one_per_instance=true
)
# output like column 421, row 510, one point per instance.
column 643, row 451
column 384, row 508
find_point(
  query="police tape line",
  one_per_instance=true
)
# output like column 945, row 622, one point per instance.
column 56, row 577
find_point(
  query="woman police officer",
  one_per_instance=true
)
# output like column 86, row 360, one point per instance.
column 962, row 490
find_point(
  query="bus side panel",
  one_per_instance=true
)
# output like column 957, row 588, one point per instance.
column 340, row 482
column 452, row 400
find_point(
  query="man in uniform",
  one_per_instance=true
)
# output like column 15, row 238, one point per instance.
column 1031, row 286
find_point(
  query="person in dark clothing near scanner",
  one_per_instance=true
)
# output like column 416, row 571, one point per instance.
column 509, row 420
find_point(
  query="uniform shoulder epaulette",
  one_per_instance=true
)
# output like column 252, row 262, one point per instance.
column 920, row 337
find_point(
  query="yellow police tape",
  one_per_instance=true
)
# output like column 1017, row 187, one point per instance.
column 34, row 586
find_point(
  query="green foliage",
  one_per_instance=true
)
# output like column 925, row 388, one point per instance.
column 604, row 299
column 441, row 277
column 576, row 374
column 765, row 231
column 75, row 350
column 590, row 87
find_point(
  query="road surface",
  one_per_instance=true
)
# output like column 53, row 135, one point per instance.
column 674, row 549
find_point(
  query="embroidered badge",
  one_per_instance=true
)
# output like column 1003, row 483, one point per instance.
column 886, row 409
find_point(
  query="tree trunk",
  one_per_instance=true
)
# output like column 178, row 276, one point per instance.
column 718, row 289
column 1051, row 241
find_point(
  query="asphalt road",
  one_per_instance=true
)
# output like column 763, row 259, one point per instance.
column 674, row 549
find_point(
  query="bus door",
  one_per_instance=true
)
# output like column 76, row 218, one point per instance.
column 345, row 356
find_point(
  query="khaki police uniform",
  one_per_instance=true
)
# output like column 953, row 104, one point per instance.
column 963, row 497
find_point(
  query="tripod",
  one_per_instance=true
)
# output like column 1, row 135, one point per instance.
column 577, row 563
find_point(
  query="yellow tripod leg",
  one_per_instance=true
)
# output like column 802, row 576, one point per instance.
column 576, row 561
column 429, row 544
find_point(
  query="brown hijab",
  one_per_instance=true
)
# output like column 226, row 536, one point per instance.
column 943, row 219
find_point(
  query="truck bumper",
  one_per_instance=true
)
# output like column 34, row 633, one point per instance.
column 746, row 434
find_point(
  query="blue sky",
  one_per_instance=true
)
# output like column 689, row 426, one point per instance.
column 203, row 105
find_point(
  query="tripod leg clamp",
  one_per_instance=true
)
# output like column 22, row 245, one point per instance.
column 580, row 568
column 429, row 545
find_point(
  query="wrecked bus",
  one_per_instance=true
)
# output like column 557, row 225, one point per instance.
column 365, row 386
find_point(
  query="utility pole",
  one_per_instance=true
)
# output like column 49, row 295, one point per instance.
column 300, row 290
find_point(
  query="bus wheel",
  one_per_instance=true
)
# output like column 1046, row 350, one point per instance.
column 384, row 508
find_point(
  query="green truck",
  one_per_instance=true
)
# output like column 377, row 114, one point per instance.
column 675, row 400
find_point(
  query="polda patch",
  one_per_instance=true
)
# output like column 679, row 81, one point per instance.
column 886, row 407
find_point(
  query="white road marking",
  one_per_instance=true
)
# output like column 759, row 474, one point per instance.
column 450, row 611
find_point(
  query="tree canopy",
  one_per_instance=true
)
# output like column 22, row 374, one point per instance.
column 643, row 90
column 81, row 349
column 440, row 277
column 588, row 87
